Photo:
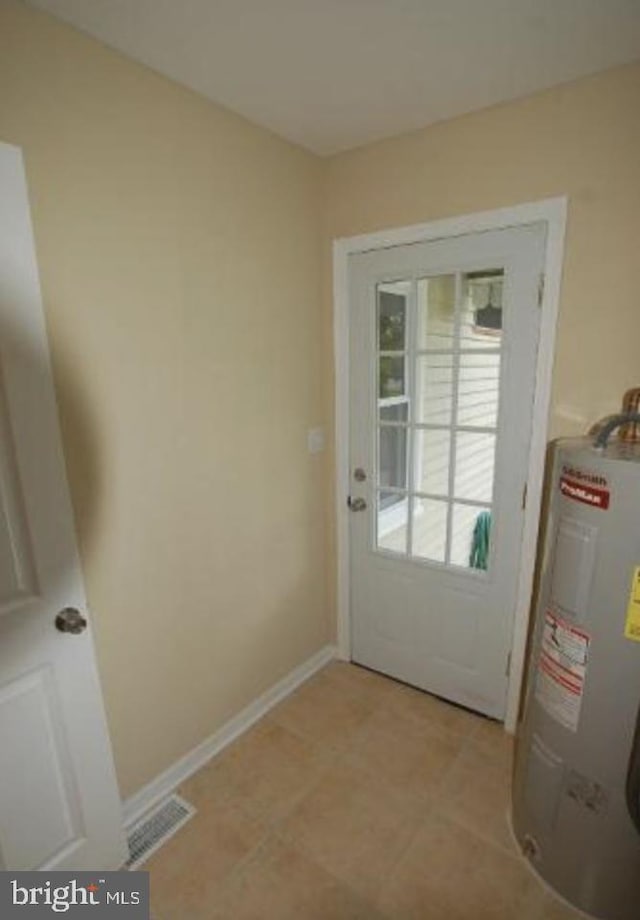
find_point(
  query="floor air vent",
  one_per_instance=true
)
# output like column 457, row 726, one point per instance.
column 155, row 828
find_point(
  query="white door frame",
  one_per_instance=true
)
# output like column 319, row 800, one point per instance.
column 551, row 211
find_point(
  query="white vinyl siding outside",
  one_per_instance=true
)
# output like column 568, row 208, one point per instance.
column 438, row 412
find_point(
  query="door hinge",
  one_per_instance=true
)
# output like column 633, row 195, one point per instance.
column 540, row 289
column 508, row 667
column 524, row 497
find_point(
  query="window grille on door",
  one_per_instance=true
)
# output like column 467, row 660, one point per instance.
column 439, row 342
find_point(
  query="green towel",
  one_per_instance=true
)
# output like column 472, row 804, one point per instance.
column 479, row 556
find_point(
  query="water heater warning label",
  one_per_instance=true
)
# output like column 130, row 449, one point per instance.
column 562, row 668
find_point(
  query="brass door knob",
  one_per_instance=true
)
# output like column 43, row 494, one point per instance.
column 71, row 620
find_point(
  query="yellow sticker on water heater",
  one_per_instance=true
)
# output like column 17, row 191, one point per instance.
column 632, row 626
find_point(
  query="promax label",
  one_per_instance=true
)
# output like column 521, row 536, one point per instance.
column 585, row 492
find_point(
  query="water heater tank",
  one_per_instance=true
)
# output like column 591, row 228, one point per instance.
column 576, row 803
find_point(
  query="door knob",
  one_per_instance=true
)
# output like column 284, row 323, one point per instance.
column 357, row 504
column 71, row 620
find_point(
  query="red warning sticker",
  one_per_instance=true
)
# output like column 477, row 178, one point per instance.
column 584, row 492
column 562, row 668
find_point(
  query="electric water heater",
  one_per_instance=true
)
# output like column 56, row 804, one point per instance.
column 576, row 800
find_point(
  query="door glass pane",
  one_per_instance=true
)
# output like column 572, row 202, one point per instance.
column 392, row 522
column 429, row 536
column 392, row 377
column 431, row 463
column 475, row 455
column 436, row 311
column 392, row 457
column 392, row 316
column 478, row 390
column 481, row 311
column 397, row 411
column 434, row 389
column 470, row 534
column 453, row 368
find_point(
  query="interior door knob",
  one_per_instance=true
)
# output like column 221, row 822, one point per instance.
column 71, row 620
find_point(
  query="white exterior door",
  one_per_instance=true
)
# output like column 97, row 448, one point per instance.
column 443, row 344
column 59, row 803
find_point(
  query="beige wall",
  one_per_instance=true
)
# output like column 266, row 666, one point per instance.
column 581, row 140
column 179, row 251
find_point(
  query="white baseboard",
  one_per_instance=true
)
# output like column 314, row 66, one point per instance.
column 164, row 784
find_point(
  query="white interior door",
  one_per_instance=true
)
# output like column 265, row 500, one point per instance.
column 443, row 343
column 59, row 803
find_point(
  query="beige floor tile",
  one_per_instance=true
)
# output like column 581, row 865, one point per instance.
column 354, row 826
column 410, row 755
column 450, row 873
column 263, row 772
column 188, row 872
column 477, row 794
column 436, row 712
column 362, row 682
column 285, row 884
column 355, row 794
column 324, row 712
column 209, row 787
column 493, row 739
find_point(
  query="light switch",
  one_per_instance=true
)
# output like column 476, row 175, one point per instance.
column 315, row 440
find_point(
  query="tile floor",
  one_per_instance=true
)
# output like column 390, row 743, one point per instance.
column 356, row 798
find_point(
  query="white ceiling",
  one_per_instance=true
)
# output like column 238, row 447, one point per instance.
column 333, row 74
